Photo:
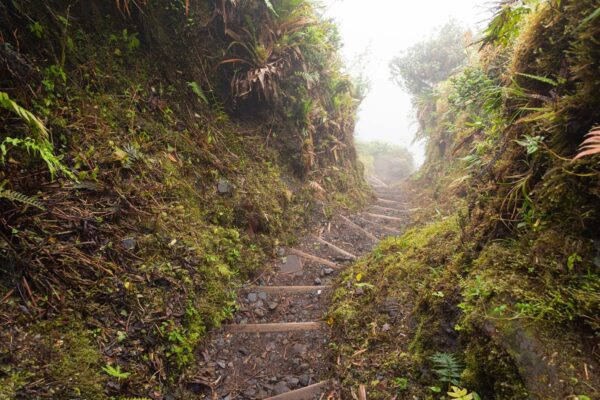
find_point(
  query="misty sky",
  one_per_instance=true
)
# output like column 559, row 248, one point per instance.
column 385, row 27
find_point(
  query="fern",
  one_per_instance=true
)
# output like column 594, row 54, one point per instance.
column 447, row 367
column 198, row 91
column 34, row 123
column 591, row 145
column 21, row 198
column 44, row 150
column 39, row 144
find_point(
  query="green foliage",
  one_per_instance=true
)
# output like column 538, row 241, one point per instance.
column 506, row 22
column 39, row 144
column 21, row 198
column 36, row 126
column 531, row 143
column 447, row 367
column 116, row 372
column 427, row 63
column 198, row 91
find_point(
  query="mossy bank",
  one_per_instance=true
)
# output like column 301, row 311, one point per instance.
column 154, row 156
column 495, row 289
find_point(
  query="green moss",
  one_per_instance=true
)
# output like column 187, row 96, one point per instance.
column 73, row 359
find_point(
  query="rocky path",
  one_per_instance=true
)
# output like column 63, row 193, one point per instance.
column 277, row 345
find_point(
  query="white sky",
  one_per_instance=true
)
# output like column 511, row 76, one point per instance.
column 385, row 27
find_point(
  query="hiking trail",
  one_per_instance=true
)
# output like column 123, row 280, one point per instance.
column 277, row 345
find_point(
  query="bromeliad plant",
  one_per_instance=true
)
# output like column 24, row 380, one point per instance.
column 262, row 53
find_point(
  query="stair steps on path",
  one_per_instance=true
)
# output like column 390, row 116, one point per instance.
column 305, row 393
column 287, row 289
column 316, row 259
column 390, row 209
column 335, row 248
column 389, row 201
column 385, row 217
column 359, row 228
column 379, row 226
column 276, row 327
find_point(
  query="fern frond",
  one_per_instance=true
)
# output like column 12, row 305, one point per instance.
column 447, row 367
column 34, row 123
column 591, row 145
column 21, row 198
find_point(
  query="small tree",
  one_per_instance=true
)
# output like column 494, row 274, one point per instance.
column 420, row 67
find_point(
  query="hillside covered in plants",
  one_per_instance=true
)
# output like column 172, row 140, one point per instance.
column 153, row 155
column 494, row 291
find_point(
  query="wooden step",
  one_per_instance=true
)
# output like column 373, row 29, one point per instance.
column 310, row 257
column 305, row 393
column 336, row 248
column 275, row 327
column 377, row 181
column 359, row 228
column 286, row 289
column 396, row 210
column 380, row 226
column 387, row 201
column 386, row 217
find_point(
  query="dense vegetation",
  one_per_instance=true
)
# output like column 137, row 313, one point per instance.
column 153, row 155
column 495, row 290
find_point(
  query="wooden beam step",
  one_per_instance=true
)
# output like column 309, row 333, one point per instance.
column 387, row 201
column 286, row 289
column 378, row 181
column 359, row 228
column 396, row 210
column 305, row 393
column 386, row 217
column 275, row 327
column 336, row 248
column 383, row 227
column 319, row 260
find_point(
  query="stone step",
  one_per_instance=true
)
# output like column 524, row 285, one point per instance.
column 259, row 365
column 306, row 393
column 335, row 248
column 260, row 306
column 275, row 327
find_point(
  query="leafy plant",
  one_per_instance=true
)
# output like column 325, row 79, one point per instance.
column 462, row 394
column 447, row 367
column 38, row 144
column 198, row 91
column 531, row 143
column 116, row 372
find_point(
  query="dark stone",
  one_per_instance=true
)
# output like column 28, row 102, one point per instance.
column 280, row 388
column 291, row 263
column 129, row 243
column 224, row 186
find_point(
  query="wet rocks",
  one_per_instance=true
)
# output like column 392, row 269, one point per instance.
column 280, row 388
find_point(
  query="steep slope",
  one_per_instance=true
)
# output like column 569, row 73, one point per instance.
column 496, row 287
column 154, row 155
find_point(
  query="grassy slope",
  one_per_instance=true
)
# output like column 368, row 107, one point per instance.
column 501, row 266
column 131, row 264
